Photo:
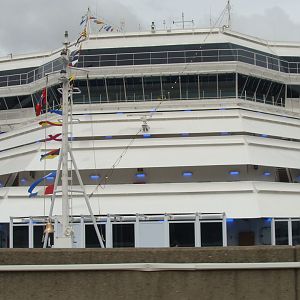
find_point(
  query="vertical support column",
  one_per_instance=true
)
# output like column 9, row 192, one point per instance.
column 11, row 233
column 108, row 233
column 180, row 92
column 82, row 233
column 161, row 88
column 273, row 236
column 290, row 232
column 137, row 231
column 30, row 233
column 65, row 154
column 166, row 231
column 197, row 231
column 236, row 85
column 199, row 91
column 224, row 230
column 143, row 87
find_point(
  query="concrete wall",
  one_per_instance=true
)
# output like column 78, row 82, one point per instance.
column 223, row 284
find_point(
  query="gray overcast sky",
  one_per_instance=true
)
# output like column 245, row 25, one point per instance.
column 37, row 25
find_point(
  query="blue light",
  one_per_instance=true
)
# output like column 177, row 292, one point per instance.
column 140, row 175
column 95, row 177
column 1, row 184
column 224, row 133
column 187, row 174
column 108, row 137
column 229, row 220
column 222, row 108
column 153, row 109
column 268, row 220
column 23, row 181
column 119, row 113
column 185, row 134
column 264, row 135
column 188, row 110
column 147, row 135
column 234, row 173
column 267, row 174
column 298, row 178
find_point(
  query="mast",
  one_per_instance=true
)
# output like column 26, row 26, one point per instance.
column 65, row 218
column 66, row 162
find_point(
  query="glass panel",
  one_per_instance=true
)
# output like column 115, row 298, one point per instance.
column 261, row 60
column 115, row 87
column 125, row 59
column 123, row 235
column 91, row 239
column 281, row 233
column 171, row 87
column 296, row 232
column 20, row 237
column 176, row 57
column 98, row 91
column 159, row 58
column 211, row 234
column 152, row 88
column 246, row 56
column 189, row 87
column 293, row 91
column 208, row 86
column 134, row 89
column 182, row 234
column 38, row 235
column 142, row 58
column 226, row 84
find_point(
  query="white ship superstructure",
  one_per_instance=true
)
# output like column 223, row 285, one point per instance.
column 182, row 138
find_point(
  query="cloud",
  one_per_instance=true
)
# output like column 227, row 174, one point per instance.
column 273, row 24
column 39, row 25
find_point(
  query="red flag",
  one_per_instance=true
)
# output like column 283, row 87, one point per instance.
column 44, row 97
column 38, row 109
column 49, row 189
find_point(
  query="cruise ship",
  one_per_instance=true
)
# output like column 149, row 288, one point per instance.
column 183, row 138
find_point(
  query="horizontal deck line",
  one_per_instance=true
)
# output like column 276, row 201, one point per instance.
column 151, row 267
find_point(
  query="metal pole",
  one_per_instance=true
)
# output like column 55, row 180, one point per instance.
column 87, row 202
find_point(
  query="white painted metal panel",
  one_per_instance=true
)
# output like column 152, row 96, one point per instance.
column 151, row 234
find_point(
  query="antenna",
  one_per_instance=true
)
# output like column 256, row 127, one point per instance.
column 229, row 14
column 183, row 21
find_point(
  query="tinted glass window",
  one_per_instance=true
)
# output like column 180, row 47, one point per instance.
column 182, row 234
column 211, row 234
column 123, row 235
column 281, row 233
column 91, row 239
column 20, row 237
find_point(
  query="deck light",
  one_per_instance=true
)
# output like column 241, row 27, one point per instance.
column 1, row 184
column 140, row 175
column 23, row 180
column 185, row 134
column 267, row 173
column 224, row 133
column 187, row 174
column 95, row 177
column 108, row 137
column 264, row 135
column 268, row 220
column 147, row 135
column 229, row 220
column 234, row 173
